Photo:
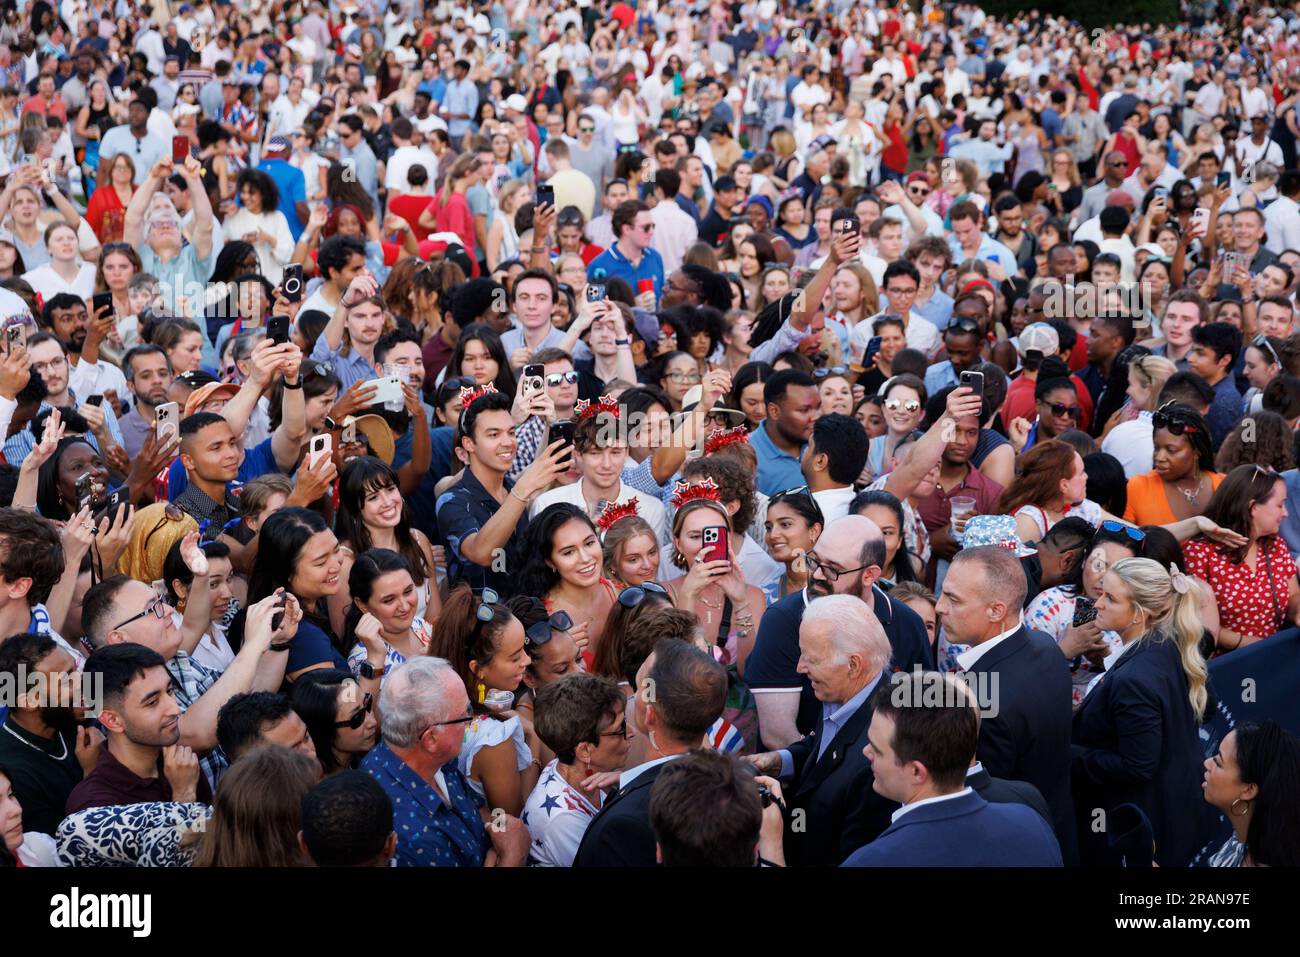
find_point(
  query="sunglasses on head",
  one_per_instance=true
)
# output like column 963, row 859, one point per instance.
column 634, row 595
column 1114, row 527
column 965, row 324
column 358, row 717
column 829, row 371
column 1263, row 345
column 539, row 633
column 1174, row 421
column 484, row 613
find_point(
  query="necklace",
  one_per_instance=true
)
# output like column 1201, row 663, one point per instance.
column 62, row 741
column 1192, row 495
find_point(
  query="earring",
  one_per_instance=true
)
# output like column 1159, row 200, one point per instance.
column 1233, row 807
column 482, row 693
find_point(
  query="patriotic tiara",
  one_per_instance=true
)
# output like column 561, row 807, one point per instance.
column 585, row 409
column 684, row 492
column 613, row 511
column 468, row 395
column 721, row 438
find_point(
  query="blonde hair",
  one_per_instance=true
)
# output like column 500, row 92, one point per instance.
column 1171, row 616
column 1154, row 372
column 618, row 535
column 1072, row 172
column 870, row 296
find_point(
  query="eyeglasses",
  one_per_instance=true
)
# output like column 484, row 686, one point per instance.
column 1263, row 345
column 539, row 633
column 911, row 405
column 905, row 291
column 831, row 574
column 359, row 716
column 827, row 373
column 466, row 718
column 1061, row 409
column 159, row 608
column 619, row 732
column 919, row 190
column 681, row 378
column 1115, row 527
column 1174, row 421
column 559, row 378
column 586, row 129
column 632, row 596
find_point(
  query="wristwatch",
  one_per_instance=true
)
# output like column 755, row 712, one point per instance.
column 622, row 342
column 293, row 385
column 369, row 671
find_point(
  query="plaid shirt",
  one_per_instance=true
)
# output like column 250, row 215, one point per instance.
column 530, row 435
column 191, row 680
column 19, row 445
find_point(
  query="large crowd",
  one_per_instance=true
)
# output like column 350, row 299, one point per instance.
column 587, row 433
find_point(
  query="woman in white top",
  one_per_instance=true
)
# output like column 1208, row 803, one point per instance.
column 503, row 240
column 625, row 115
column 1128, row 434
column 211, row 650
column 385, row 607
column 25, row 850
column 314, row 166
column 583, row 720
column 260, row 222
column 66, row 272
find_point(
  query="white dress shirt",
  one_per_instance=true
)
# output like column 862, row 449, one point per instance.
column 974, row 653
column 931, row 800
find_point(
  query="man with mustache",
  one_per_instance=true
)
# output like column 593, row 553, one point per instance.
column 846, row 561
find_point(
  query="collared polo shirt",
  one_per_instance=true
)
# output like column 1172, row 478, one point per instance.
column 777, row 470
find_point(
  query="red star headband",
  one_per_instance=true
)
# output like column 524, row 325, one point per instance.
column 684, row 492
column 612, row 512
column 721, row 438
column 584, row 409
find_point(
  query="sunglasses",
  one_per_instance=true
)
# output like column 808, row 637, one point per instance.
column 539, row 633
column 319, row 368
column 1061, row 409
column 965, row 324
column 826, row 373
column 1174, row 422
column 1263, row 345
column 484, row 614
column 1115, row 527
column 359, row 716
column 632, row 596
column 559, row 378
column 911, row 405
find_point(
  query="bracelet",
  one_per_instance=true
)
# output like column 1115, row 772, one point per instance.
column 622, row 342
column 292, row 385
column 280, row 646
column 518, row 497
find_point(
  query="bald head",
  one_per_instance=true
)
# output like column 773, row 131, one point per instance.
column 1002, row 577
column 848, row 557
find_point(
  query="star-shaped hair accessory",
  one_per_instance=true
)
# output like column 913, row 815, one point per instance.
column 721, row 438
column 467, row 396
column 584, row 409
column 684, row 492
column 613, row 511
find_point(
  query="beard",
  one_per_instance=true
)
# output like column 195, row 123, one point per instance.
column 61, row 720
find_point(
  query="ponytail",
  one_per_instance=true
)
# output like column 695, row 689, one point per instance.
column 1185, row 627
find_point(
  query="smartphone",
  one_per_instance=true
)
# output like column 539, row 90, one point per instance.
column 118, row 500
column 534, row 379
column 102, row 300
column 1201, row 217
column 388, row 392
column 291, row 282
column 167, row 422
column 873, row 349
column 319, row 448
column 180, row 149
column 277, row 617
column 545, row 194
column 85, row 490
column 561, row 431
column 714, row 539
column 277, row 329
column 973, row 381
column 349, row 433
column 1222, row 179
column 15, row 335
column 595, row 292
column 95, row 400
column 1084, row 610
column 847, row 224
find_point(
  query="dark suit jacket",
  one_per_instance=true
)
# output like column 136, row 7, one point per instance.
column 1029, row 738
column 620, row 835
column 1136, row 741
column 965, row 831
column 833, row 808
column 1000, row 791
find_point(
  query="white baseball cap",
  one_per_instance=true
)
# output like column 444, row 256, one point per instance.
column 1040, row 336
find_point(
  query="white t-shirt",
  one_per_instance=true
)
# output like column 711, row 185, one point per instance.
column 1131, row 443
column 47, row 283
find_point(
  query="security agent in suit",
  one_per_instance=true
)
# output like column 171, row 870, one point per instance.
column 920, row 749
column 846, row 561
column 826, row 777
column 1136, row 738
column 1024, row 679
column 680, row 692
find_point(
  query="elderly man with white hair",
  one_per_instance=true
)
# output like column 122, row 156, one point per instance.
column 438, row 818
column 833, row 808
column 154, row 229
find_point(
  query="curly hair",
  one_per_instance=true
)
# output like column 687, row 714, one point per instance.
column 735, row 484
column 1261, row 438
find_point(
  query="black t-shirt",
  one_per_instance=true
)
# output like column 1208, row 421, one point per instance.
column 43, row 774
column 714, row 230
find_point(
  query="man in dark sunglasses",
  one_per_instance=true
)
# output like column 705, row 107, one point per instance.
column 846, row 561
column 435, row 813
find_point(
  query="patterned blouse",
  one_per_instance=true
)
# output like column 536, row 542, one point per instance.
column 1250, row 602
column 1051, row 612
column 392, row 657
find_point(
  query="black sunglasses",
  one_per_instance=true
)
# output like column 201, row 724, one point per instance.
column 1060, row 408
column 1174, row 421
column 634, row 595
column 539, row 633
column 358, row 717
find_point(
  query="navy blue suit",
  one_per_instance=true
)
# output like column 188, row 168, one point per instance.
column 963, row 831
column 1136, row 742
column 1029, row 738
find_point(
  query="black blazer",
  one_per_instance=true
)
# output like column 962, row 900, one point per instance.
column 1136, row 741
column 1029, row 737
column 620, row 835
column 833, row 809
column 1000, row 791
